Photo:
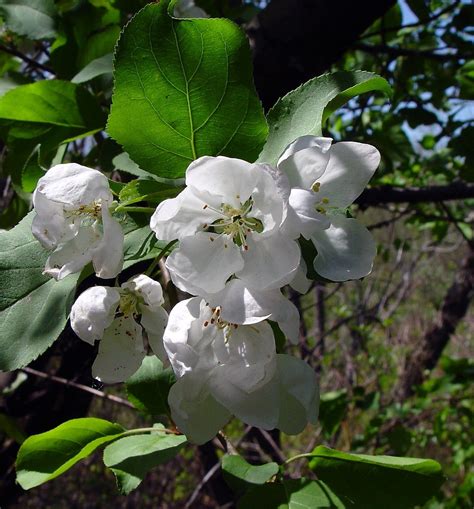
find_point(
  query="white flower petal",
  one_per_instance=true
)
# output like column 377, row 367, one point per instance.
column 300, row 282
column 242, row 304
column 308, row 221
column 299, row 394
column 257, row 408
column 74, row 255
column 93, row 311
column 270, row 262
column 350, row 168
column 232, row 179
column 197, row 414
column 121, row 351
column 183, row 338
column 108, row 255
column 346, row 250
column 245, row 357
column 50, row 225
column 74, row 185
column 154, row 322
column 147, row 288
column 182, row 216
column 206, row 261
column 270, row 198
column 305, row 160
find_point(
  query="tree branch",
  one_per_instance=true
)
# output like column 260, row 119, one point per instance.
column 26, row 59
column 388, row 194
column 295, row 40
column 395, row 52
column 455, row 305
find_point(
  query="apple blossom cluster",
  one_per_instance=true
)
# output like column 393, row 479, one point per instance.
column 237, row 225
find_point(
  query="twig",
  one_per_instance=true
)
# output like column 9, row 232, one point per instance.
column 26, row 59
column 81, row 387
column 210, row 473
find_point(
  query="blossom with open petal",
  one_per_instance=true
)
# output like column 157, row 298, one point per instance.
column 228, row 221
column 110, row 315
column 225, row 369
column 325, row 179
column 73, row 219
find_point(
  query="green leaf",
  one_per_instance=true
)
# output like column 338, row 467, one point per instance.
column 98, row 67
column 130, row 458
column 304, row 110
column 332, row 410
column 31, row 18
column 123, row 162
column 47, row 455
column 53, row 103
column 27, row 292
column 148, row 388
column 146, row 190
column 372, row 482
column 184, row 89
column 293, row 494
column 238, row 473
column 141, row 244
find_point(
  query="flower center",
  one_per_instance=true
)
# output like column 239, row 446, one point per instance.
column 235, row 222
column 91, row 211
column 322, row 206
column 129, row 303
column 217, row 321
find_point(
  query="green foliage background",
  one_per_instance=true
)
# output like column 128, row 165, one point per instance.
column 360, row 336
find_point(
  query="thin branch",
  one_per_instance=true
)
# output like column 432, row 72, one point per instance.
column 395, row 51
column 81, row 387
column 26, row 59
column 419, row 23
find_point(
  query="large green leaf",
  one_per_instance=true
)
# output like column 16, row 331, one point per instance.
column 372, row 482
column 32, row 18
column 184, row 89
column 33, row 307
column 292, row 494
column 239, row 474
column 304, row 110
column 53, row 103
column 148, row 388
column 45, row 456
column 130, row 458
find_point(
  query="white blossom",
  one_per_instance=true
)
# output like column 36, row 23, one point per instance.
column 228, row 221
column 73, row 219
column 110, row 315
column 225, row 369
column 325, row 179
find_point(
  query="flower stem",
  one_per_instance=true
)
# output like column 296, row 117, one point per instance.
column 156, row 261
column 299, row 456
column 137, row 431
column 146, row 210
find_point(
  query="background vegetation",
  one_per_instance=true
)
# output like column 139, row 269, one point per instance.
column 394, row 351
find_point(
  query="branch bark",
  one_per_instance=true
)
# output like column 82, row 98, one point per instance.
column 388, row 194
column 453, row 310
column 295, row 40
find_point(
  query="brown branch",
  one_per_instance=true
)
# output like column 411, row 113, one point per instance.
column 81, row 387
column 388, row 194
column 454, row 308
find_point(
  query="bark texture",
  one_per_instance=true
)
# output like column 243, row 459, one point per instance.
column 454, row 308
column 295, row 40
